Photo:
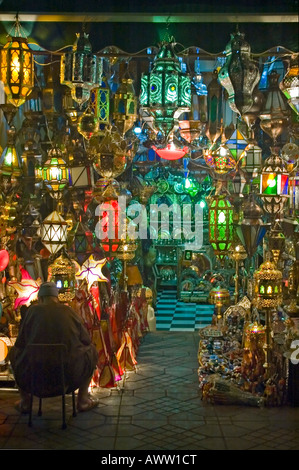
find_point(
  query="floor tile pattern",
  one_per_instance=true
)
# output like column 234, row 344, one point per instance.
column 157, row 407
column 174, row 315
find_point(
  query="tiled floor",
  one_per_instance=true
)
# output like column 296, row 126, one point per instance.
column 174, row 315
column 157, row 408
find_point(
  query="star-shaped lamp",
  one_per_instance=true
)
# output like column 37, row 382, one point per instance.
column 91, row 270
column 27, row 289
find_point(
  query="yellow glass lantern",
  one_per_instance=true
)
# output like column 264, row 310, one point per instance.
column 125, row 106
column 267, row 286
column 17, row 69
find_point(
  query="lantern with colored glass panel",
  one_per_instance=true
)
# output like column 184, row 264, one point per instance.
column 166, row 90
column 109, row 227
column 274, row 184
column 290, row 83
column 82, row 245
column 54, row 173
column 17, row 70
column 220, row 225
column 99, row 104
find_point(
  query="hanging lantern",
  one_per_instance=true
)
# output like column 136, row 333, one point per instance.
column 54, row 232
column 276, row 242
column 62, row 273
column 166, row 90
column 252, row 229
column 82, row 245
column 267, row 286
column 110, row 158
column 88, row 124
column 91, row 271
column 17, row 69
column 290, row 84
column 10, row 163
column 100, row 104
column 274, row 184
column 54, row 173
column 251, row 160
column 220, row 160
column 276, row 112
column 214, row 105
column 124, row 106
column 220, row 225
column 109, row 227
column 239, row 75
column 80, row 69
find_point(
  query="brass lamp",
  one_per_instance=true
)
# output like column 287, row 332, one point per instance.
column 238, row 253
column 124, row 106
column 219, row 297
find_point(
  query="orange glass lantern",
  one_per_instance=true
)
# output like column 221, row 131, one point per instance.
column 17, row 69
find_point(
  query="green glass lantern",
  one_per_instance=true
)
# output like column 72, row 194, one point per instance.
column 221, row 227
column 166, row 90
column 99, row 104
column 54, row 173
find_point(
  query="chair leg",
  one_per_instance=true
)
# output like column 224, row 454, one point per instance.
column 74, row 404
column 40, row 407
column 30, row 410
column 63, row 412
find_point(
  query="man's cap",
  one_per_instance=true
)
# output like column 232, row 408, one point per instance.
column 48, row 289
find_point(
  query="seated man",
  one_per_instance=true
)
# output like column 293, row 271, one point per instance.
column 50, row 322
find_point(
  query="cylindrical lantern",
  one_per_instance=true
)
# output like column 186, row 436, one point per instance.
column 17, row 69
column 220, row 225
column 80, row 69
column 54, row 232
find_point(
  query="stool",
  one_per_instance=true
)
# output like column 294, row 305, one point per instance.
column 47, row 365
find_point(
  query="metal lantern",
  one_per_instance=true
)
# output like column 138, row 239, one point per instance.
column 100, row 104
column 214, row 105
column 251, row 160
column 290, row 84
column 124, row 106
column 80, row 69
column 276, row 241
column 252, row 229
column 274, row 184
column 88, row 124
column 267, row 286
column 275, row 115
column 220, row 225
column 54, row 232
column 10, row 163
column 220, row 160
column 166, row 90
column 82, row 245
column 110, row 158
column 219, row 297
column 63, row 273
column 17, row 69
column 239, row 75
column 54, row 173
